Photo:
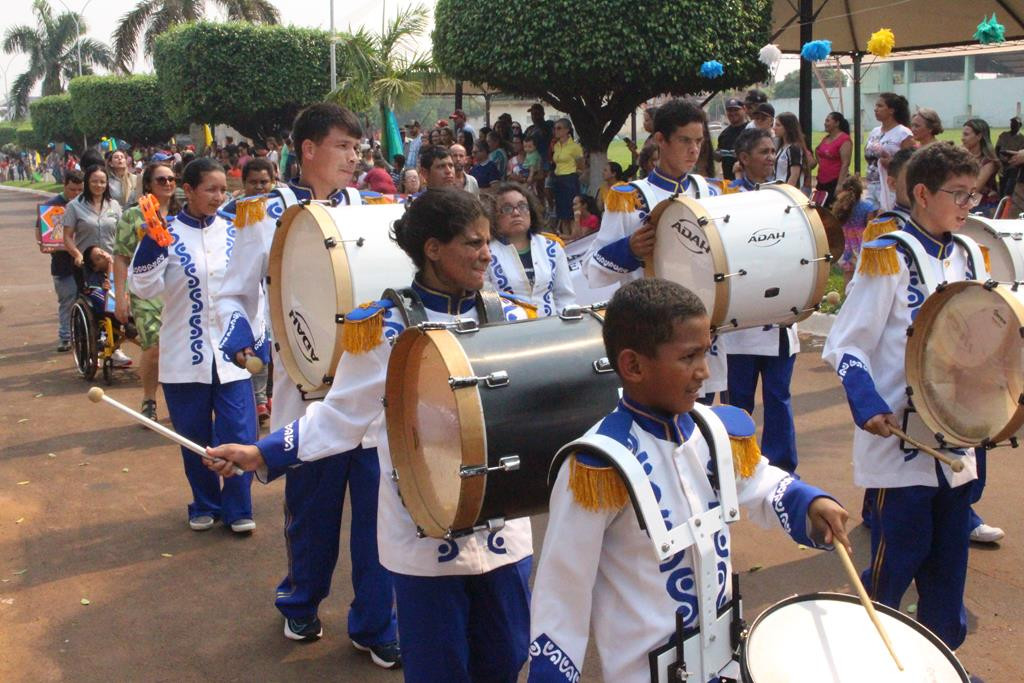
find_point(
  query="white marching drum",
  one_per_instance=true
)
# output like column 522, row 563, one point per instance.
column 754, row 258
column 1003, row 242
column 326, row 260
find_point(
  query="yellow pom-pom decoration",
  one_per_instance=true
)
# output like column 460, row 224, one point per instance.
column 881, row 42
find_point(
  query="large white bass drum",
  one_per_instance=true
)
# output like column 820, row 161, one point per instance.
column 326, row 260
column 1002, row 242
column 754, row 258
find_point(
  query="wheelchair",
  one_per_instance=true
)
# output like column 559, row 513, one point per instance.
column 96, row 334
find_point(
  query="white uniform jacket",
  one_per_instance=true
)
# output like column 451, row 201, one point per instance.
column 551, row 290
column 352, row 414
column 597, row 569
column 188, row 276
column 866, row 347
column 243, row 315
column 610, row 260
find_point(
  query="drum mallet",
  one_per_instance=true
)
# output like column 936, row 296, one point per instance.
column 955, row 464
column 97, row 395
column 253, row 364
column 851, row 573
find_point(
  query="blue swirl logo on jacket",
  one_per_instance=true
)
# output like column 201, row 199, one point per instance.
column 231, row 240
column 447, row 551
column 915, row 296
column 195, row 295
column 500, row 278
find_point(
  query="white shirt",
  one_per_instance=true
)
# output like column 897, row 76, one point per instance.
column 188, row 276
column 551, row 290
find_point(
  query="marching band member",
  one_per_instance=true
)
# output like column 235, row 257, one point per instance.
column 198, row 381
column 463, row 604
column 767, row 353
column 598, row 567
column 326, row 138
column 626, row 238
column 920, row 508
column 524, row 261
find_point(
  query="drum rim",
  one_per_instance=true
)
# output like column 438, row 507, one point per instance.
column 914, row 362
column 718, row 257
column 843, row 597
column 343, row 300
column 1004, row 238
column 472, row 430
column 820, row 241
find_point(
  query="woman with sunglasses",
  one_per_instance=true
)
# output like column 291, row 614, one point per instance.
column 524, row 262
column 157, row 180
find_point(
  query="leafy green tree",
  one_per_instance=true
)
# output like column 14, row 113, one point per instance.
column 53, row 119
column 790, row 85
column 127, row 107
column 150, row 18
column 52, row 49
column 600, row 70
column 254, row 78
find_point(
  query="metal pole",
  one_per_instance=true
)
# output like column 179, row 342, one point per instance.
column 857, row 115
column 78, row 46
column 334, row 64
column 806, row 36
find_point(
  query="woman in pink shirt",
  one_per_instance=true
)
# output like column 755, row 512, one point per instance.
column 833, row 154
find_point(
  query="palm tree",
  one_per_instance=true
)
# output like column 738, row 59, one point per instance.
column 52, row 49
column 153, row 17
column 385, row 73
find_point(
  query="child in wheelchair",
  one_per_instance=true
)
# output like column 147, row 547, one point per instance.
column 98, row 289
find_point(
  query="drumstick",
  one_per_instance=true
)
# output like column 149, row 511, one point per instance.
column 851, row 573
column 97, row 395
column 955, row 464
column 253, row 364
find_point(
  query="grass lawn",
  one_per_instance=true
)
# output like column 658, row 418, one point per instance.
column 33, row 185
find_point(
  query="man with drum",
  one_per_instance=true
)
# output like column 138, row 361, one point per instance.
column 626, row 237
column 326, row 138
column 463, row 603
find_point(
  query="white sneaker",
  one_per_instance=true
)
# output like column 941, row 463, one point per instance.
column 984, row 533
column 201, row 523
column 243, row 526
column 120, row 359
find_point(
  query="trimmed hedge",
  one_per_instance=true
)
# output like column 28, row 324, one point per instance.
column 8, row 133
column 53, row 119
column 254, row 78
column 126, row 107
column 27, row 137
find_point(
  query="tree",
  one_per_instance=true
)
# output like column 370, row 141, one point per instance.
column 600, row 71
column 28, row 138
column 790, row 85
column 382, row 76
column 254, row 78
column 150, row 18
column 8, row 133
column 52, row 49
column 126, row 107
column 53, row 120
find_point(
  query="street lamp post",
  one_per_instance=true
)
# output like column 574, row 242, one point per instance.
column 78, row 45
column 7, row 92
column 334, row 64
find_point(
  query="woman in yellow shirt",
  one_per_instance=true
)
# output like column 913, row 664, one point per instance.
column 567, row 159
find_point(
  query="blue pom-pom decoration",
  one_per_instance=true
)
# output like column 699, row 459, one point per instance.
column 816, row 50
column 711, row 69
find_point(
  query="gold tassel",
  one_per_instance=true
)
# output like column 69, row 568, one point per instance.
column 987, row 256
column 360, row 336
column 879, row 261
column 596, row 488
column 382, row 199
column 621, row 202
column 250, row 211
column 728, row 188
column 745, row 454
column 554, row 238
column 876, row 229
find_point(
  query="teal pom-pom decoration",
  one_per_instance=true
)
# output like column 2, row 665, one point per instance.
column 711, row 69
column 816, row 50
column 990, row 31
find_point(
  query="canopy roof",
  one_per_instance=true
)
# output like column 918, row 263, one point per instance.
column 917, row 24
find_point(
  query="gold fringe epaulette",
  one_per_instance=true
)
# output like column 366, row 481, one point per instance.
column 596, row 488
column 987, row 256
column 622, row 198
column 730, row 188
column 250, row 211
column 745, row 454
column 363, row 328
column 530, row 309
column 377, row 199
column 877, row 228
column 879, row 260
column 554, row 238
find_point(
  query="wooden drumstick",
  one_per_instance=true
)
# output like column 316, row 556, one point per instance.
column 955, row 464
column 97, row 395
column 851, row 573
column 253, row 364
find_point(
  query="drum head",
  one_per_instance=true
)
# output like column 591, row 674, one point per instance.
column 829, row 638
column 433, row 430
column 964, row 363
column 833, row 232
column 308, row 290
column 1002, row 240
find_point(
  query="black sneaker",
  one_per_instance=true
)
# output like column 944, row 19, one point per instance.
column 386, row 656
column 304, row 630
column 149, row 409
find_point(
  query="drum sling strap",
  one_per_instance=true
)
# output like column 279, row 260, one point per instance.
column 488, row 305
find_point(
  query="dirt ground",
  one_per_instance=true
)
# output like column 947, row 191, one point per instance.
column 93, row 508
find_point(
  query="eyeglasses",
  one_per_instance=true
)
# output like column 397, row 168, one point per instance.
column 165, row 180
column 963, row 198
column 509, row 209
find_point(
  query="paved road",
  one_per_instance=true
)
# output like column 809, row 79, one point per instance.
column 93, row 507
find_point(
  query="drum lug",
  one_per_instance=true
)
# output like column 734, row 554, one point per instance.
column 910, row 331
column 990, row 285
column 703, row 221
column 509, row 463
column 460, row 326
column 330, row 243
column 602, row 365
column 720, row 277
column 420, row 533
column 826, row 257
column 571, row 313
column 494, row 380
column 394, row 477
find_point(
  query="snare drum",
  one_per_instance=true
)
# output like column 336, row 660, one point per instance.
column 476, row 414
column 325, row 261
column 829, row 638
column 965, row 363
column 754, row 258
column 1004, row 242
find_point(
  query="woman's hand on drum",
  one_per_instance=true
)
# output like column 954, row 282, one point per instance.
column 828, row 522
column 641, row 242
column 880, row 424
column 228, row 455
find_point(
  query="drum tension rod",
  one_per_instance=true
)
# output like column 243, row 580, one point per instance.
column 461, row 326
column 704, row 220
column 495, row 379
column 826, row 257
column 796, row 311
column 491, row 525
column 331, row 243
column 990, row 285
column 509, row 463
column 719, row 277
